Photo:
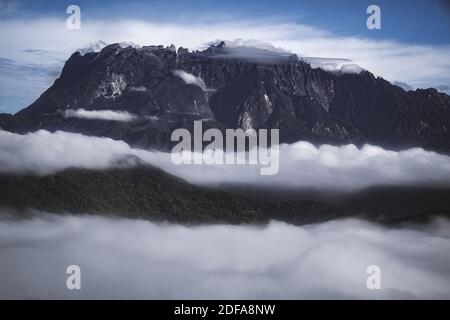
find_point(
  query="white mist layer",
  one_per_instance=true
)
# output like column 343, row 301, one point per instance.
column 100, row 115
column 139, row 259
column 301, row 164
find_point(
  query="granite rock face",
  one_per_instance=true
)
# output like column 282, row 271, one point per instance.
column 234, row 88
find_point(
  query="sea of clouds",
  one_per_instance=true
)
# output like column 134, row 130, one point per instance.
column 138, row 259
column 301, row 164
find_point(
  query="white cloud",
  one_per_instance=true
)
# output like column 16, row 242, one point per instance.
column 93, row 47
column 351, row 68
column 301, row 163
column 336, row 167
column 100, row 115
column 139, row 259
column 390, row 59
column 337, row 67
column 57, row 151
column 138, row 89
column 254, row 44
column 189, row 78
column 99, row 45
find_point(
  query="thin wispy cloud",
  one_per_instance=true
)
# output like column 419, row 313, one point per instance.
column 111, row 115
column 189, row 78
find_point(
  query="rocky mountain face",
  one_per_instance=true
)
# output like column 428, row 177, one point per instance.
column 234, row 88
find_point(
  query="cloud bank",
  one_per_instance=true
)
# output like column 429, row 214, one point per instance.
column 57, row 151
column 100, row 115
column 301, row 163
column 139, row 259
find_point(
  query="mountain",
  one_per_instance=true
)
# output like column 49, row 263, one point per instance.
column 148, row 193
column 234, row 87
column 99, row 45
column 5, row 118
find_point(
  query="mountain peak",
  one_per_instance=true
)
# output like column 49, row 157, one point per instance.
column 238, row 84
column 100, row 44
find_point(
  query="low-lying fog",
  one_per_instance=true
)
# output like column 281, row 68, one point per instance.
column 301, row 164
column 140, row 259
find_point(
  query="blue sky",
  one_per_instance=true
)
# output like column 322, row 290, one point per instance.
column 413, row 45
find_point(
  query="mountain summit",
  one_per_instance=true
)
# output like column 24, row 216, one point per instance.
column 164, row 88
